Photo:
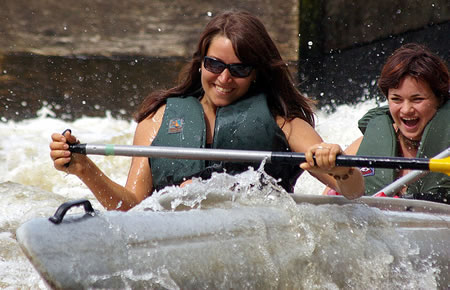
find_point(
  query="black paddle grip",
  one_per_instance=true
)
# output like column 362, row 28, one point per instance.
column 70, row 145
column 77, row 148
column 358, row 161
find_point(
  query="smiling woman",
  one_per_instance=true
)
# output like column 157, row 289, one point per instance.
column 236, row 93
column 412, row 105
column 225, row 86
column 414, row 124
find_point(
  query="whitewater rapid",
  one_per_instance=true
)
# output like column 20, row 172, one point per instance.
column 30, row 187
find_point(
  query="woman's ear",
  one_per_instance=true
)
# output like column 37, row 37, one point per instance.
column 254, row 77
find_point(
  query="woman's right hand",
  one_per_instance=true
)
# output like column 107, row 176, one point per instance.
column 63, row 159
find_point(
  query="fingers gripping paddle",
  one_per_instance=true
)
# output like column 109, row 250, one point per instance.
column 437, row 165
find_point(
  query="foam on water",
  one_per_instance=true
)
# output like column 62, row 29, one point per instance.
column 336, row 247
column 287, row 245
column 30, row 187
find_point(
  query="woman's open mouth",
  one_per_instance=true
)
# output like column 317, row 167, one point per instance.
column 410, row 122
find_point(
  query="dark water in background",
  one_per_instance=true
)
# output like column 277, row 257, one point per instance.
column 88, row 86
column 73, row 87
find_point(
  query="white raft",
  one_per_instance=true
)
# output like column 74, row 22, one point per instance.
column 393, row 243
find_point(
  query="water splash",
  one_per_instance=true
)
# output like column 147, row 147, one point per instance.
column 337, row 247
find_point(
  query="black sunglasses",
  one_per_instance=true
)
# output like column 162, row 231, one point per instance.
column 238, row 70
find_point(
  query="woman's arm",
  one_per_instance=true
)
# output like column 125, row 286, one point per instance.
column 140, row 175
column 303, row 138
column 352, row 149
column 110, row 194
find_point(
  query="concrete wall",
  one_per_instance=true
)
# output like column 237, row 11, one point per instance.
column 153, row 28
column 166, row 28
column 348, row 23
column 87, row 56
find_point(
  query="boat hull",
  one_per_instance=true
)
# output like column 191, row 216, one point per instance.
column 235, row 247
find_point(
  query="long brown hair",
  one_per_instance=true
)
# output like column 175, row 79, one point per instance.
column 416, row 60
column 252, row 45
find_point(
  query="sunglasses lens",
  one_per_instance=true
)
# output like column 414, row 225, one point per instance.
column 236, row 70
column 214, row 65
column 240, row 70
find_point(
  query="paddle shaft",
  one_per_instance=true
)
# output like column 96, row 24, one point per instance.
column 394, row 187
column 244, row 155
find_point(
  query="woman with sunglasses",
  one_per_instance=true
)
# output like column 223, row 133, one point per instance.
column 236, row 93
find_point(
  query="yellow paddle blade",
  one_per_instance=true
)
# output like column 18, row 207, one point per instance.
column 440, row 165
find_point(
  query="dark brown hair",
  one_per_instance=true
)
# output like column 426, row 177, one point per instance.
column 252, row 45
column 416, row 60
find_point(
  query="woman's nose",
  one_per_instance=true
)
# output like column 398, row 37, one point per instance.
column 225, row 76
column 407, row 107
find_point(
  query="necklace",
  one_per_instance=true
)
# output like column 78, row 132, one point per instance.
column 410, row 143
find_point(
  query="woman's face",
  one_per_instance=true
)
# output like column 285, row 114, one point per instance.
column 223, row 89
column 412, row 105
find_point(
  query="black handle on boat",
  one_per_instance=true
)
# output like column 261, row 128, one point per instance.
column 63, row 208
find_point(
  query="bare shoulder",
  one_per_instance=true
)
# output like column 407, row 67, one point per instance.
column 352, row 149
column 147, row 129
column 299, row 133
column 294, row 126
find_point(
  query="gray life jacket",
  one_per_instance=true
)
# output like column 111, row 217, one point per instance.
column 380, row 140
column 247, row 124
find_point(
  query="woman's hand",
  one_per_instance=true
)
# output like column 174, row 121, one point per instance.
column 325, row 159
column 63, row 159
column 346, row 180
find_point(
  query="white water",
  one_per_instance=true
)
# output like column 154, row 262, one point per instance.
column 30, row 187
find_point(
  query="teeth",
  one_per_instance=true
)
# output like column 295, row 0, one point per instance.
column 223, row 90
column 409, row 119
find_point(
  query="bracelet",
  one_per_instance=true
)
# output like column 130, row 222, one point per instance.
column 342, row 177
